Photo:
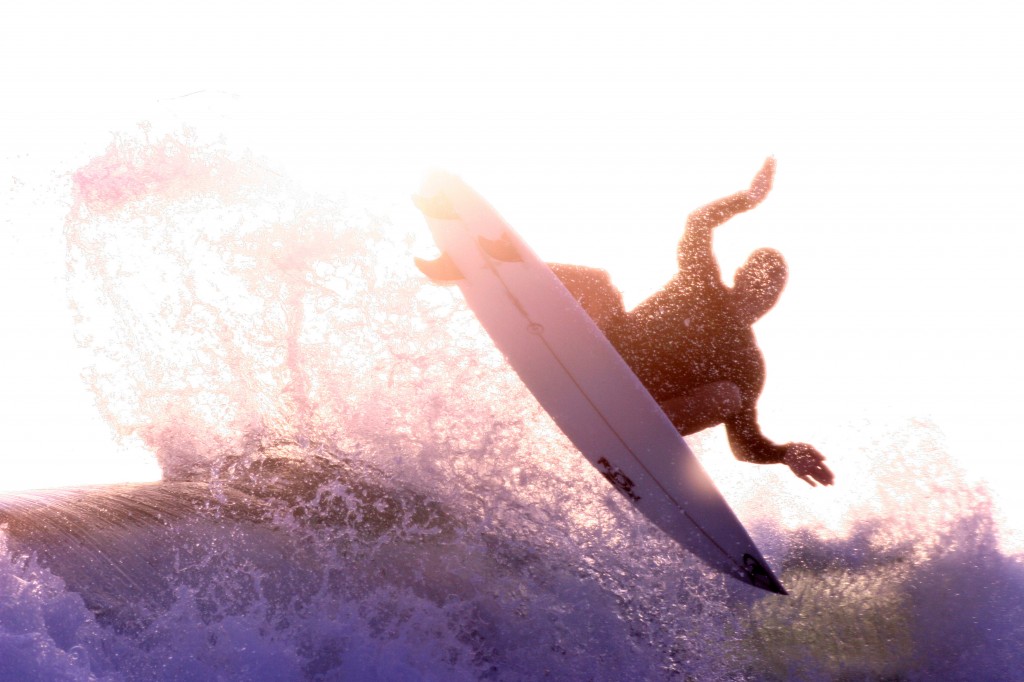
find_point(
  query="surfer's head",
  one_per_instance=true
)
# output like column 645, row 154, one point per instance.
column 759, row 283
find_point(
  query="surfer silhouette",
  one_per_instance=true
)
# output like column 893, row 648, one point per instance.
column 691, row 343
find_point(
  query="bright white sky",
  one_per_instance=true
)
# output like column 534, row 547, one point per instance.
column 594, row 128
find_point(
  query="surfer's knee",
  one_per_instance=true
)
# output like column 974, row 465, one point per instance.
column 707, row 406
column 727, row 397
column 722, row 399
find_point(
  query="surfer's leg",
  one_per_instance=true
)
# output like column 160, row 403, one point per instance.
column 594, row 290
column 703, row 408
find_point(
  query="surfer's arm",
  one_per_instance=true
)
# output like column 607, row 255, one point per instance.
column 750, row 445
column 696, row 257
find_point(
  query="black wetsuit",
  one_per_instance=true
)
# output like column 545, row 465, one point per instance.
column 687, row 335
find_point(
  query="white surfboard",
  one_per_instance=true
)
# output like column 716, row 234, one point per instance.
column 580, row 379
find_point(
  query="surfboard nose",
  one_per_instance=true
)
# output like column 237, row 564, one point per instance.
column 759, row 575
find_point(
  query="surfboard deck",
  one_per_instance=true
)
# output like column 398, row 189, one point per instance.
column 580, row 379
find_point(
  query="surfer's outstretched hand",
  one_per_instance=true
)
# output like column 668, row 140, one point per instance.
column 808, row 464
column 762, row 183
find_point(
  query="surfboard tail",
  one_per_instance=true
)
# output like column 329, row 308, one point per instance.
column 502, row 249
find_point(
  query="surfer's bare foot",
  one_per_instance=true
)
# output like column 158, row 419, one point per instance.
column 808, row 464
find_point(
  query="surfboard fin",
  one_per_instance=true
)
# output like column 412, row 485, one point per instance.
column 440, row 270
column 437, row 206
column 501, row 249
